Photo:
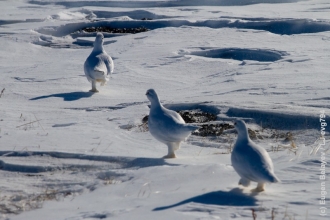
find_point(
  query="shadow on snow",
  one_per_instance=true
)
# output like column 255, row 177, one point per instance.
column 150, row 4
column 277, row 120
column 70, row 96
column 115, row 161
column 234, row 197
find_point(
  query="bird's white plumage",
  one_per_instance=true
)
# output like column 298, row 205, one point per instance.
column 250, row 161
column 167, row 126
column 98, row 65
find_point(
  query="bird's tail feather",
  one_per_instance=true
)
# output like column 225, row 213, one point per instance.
column 192, row 127
column 99, row 72
column 275, row 179
column 100, row 76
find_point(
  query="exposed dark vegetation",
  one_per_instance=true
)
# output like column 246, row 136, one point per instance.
column 212, row 129
column 208, row 126
column 198, row 116
column 115, row 30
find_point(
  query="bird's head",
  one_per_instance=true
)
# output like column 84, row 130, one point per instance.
column 99, row 39
column 240, row 126
column 152, row 95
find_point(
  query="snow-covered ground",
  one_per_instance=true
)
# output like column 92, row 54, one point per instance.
column 66, row 153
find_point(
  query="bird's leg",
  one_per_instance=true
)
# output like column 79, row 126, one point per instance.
column 244, row 182
column 94, row 87
column 176, row 145
column 171, row 148
column 260, row 187
column 170, row 156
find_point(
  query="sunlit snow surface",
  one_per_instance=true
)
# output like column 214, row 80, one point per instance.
column 69, row 154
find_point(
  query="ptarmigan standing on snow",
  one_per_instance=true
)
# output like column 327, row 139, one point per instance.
column 250, row 161
column 167, row 126
column 99, row 65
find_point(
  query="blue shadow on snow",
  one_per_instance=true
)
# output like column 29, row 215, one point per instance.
column 234, row 197
column 117, row 161
column 70, row 96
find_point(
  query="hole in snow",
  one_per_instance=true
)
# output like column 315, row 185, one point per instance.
column 261, row 55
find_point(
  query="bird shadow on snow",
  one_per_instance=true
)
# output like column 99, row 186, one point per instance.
column 69, row 96
column 117, row 162
column 234, row 197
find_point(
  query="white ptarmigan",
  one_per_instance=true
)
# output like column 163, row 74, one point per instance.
column 98, row 65
column 250, row 161
column 167, row 126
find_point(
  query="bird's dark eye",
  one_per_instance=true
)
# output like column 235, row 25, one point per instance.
column 235, row 123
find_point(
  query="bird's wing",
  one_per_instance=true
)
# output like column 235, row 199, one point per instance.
column 101, row 66
column 108, row 63
column 266, row 168
column 174, row 115
column 94, row 67
column 168, row 126
column 253, row 162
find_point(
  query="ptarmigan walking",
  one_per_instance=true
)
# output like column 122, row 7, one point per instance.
column 250, row 161
column 99, row 65
column 167, row 126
